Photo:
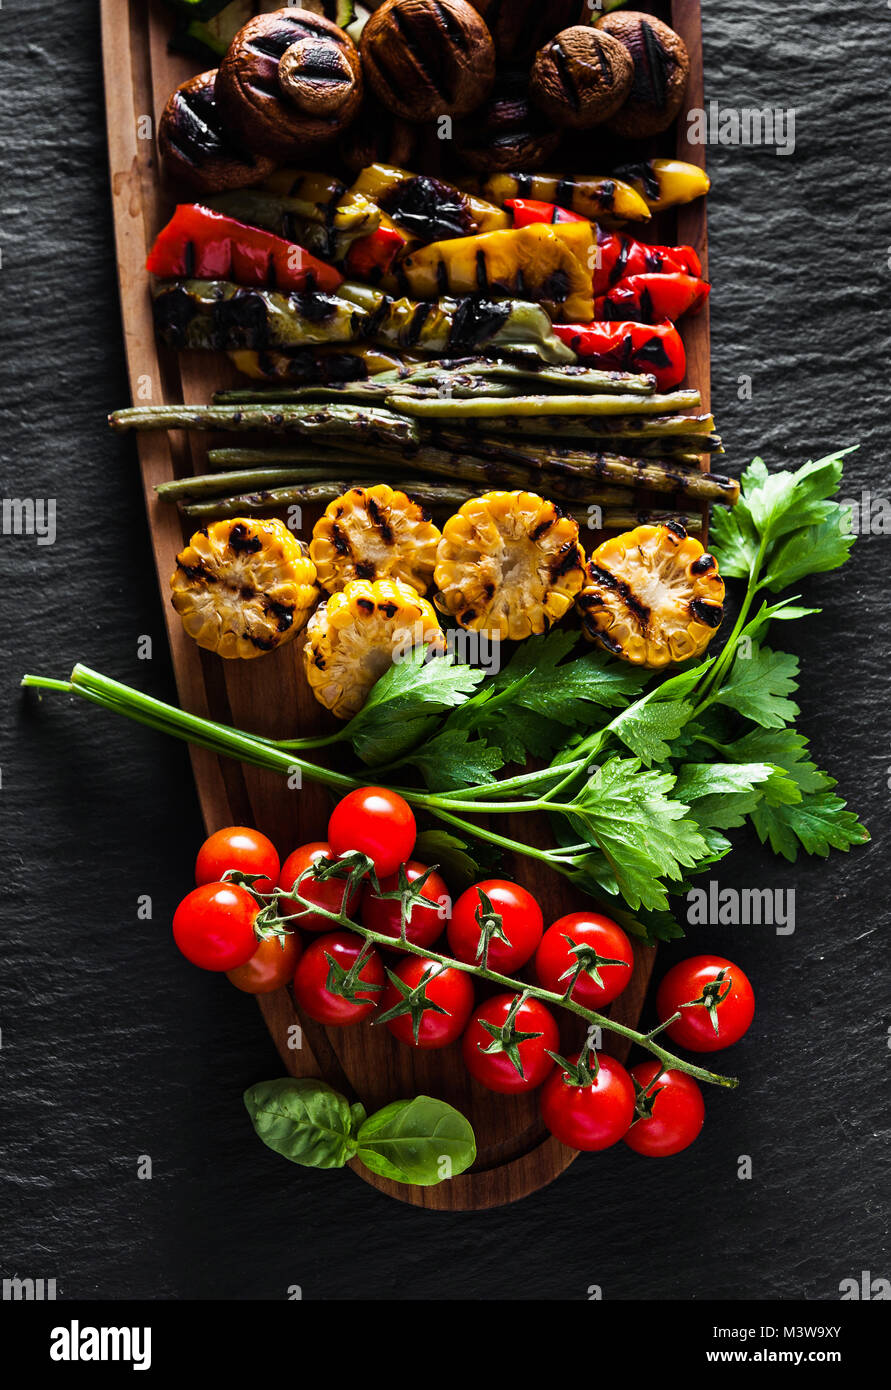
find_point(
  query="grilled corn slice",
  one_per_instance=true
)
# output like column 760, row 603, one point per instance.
column 357, row 634
column 374, row 533
column 243, row 587
column 509, row 563
column 653, row 596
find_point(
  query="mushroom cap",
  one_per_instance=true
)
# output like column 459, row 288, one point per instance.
column 581, row 77
column 507, row 132
column 428, row 58
column 253, row 99
column 198, row 149
column 661, row 70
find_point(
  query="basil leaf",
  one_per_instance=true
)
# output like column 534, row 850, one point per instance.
column 304, row 1120
column 420, row 1141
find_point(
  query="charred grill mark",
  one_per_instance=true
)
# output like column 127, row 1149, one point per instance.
column 564, row 75
column 416, row 323
column 433, row 209
column 602, row 576
column 644, row 174
column 242, row 541
column 453, row 31
column 476, row 322
column 565, row 561
column 606, row 641
column 283, row 613
column 651, row 77
column 467, row 616
column 523, row 185
column 563, row 193
column 542, row 529
column 676, row 529
column 489, row 590
column 442, row 276
column 388, row 609
column 605, row 577
column 197, row 573
column 482, row 272
column 366, row 605
column 325, row 63
column 318, row 660
column 340, row 540
column 364, row 569
column 381, row 522
column 709, row 613
column 556, row 286
column 190, row 260
column 705, row 563
column 413, row 40
column 606, row 66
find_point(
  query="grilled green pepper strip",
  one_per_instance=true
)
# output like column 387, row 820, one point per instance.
column 279, row 215
column 568, row 377
column 268, row 476
column 349, row 420
column 686, row 427
column 216, row 314
column 437, row 407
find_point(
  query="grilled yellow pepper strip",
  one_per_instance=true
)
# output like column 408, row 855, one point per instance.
column 417, row 203
column 538, row 262
column 599, row 198
column 322, row 198
column 665, row 183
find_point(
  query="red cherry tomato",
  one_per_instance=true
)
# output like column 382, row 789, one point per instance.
column 677, row 1112
column 238, row 847
column 451, row 989
column 311, row 980
column 495, row 1069
column 425, row 924
column 377, row 822
column 521, row 922
column 590, row 1117
column 328, row 893
column 270, row 967
column 214, row 926
column 554, row 960
column 734, row 1003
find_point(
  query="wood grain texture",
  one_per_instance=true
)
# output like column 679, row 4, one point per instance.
column 515, row 1154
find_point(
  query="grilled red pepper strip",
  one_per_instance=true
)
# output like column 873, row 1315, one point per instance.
column 371, row 256
column 651, row 298
column 198, row 243
column 528, row 210
column 620, row 256
column 629, row 347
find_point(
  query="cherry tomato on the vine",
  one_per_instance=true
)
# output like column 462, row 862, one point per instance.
column 555, row 960
column 425, row 924
column 311, row 979
column 592, row 1116
column 328, row 893
column 450, row 989
column 238, row 847
column 377, row 822
column 521, row 922
column 270, row 967
column 506, row 1035
column 731, row 998
column 214, row 926
column 676, row 1112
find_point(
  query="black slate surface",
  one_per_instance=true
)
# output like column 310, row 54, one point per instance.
column 113, row 1047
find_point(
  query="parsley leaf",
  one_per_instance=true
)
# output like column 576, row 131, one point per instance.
column 454, row 759
column 818, row 823
column 813, row 550
column 758, row 684
column 627, row 813
column 398, row 711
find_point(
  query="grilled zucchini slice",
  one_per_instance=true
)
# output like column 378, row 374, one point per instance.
column 653, row 596
column 244, row 587
column 355, row 636
column 374, row 533
column 509, row 563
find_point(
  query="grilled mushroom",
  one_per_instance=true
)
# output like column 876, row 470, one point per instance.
column 519, row 27
column 661, row 69
column 289, row 79
column 197, row 148
column 506, row 132
column 581, row 77
column 428, row 58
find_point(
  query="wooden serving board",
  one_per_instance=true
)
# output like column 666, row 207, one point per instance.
column 269, row 696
